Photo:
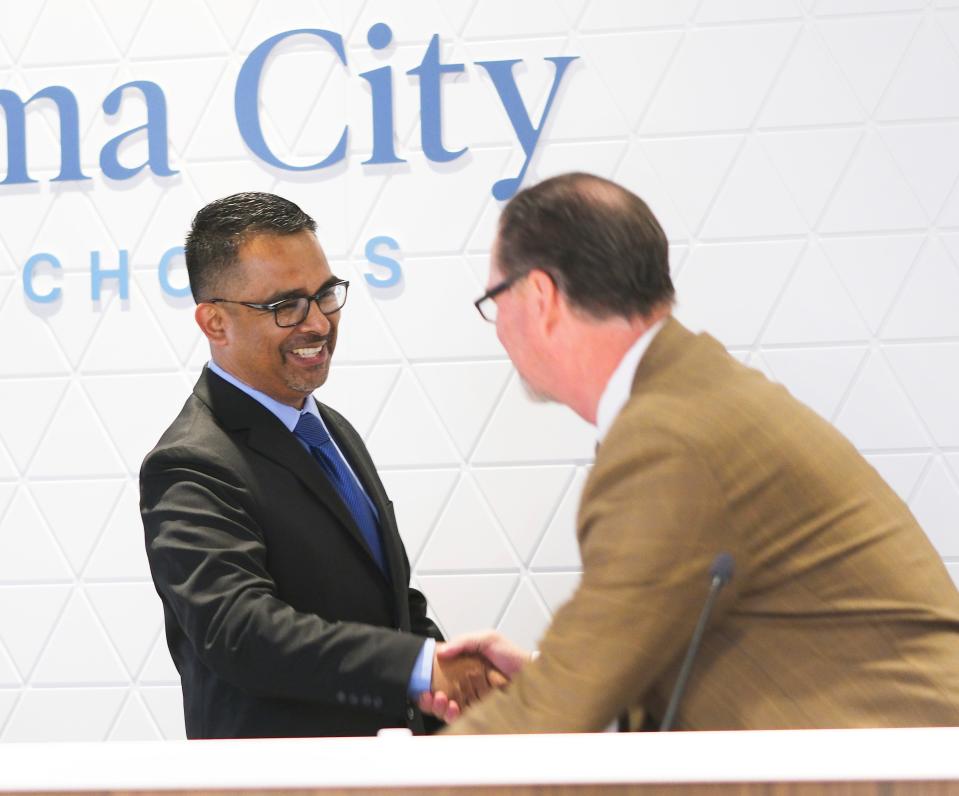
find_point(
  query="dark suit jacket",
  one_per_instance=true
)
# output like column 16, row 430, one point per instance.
column 277, row 617
column 840, row 613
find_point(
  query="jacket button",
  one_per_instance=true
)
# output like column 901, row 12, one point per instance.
column 410, row 714
column 340, row 697
column 377, row 702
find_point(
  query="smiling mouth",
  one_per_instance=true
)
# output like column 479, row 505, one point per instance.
column 309, row 353
column 315, row 354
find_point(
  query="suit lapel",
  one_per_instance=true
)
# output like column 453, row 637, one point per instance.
column 270, row 438
column 360, row 461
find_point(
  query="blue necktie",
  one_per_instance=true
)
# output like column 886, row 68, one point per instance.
column 312, row 432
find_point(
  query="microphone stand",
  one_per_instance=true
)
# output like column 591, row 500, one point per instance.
column 721, row 571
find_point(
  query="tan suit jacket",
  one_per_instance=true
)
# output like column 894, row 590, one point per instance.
column 840, row 613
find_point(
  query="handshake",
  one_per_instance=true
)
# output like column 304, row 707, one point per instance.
column 466, row 669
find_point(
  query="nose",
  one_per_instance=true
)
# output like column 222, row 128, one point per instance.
column 315, row 320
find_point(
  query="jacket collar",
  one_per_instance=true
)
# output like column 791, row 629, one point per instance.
column 267, row 435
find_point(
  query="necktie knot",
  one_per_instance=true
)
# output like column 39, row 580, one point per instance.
column 311, row 431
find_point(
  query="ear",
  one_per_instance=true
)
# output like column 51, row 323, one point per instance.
column 212, row 322
column 548, row 302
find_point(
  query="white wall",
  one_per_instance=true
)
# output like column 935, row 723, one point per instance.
column 802, row 155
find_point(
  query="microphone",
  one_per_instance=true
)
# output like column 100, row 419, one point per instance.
column 721, row 572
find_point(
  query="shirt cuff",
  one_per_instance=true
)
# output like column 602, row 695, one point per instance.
column 422, row 677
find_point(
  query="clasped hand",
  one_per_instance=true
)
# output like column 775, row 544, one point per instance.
column 466, row 669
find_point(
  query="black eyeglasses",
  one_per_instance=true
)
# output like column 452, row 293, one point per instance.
column 293, row 311
column 485, row 305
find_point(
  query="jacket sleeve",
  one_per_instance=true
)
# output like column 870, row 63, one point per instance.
column 209, row 561
column 651, row 521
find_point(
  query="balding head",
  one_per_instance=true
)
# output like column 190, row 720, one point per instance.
column 599, row 242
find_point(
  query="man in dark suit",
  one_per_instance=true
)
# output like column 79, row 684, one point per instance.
column 271, row 540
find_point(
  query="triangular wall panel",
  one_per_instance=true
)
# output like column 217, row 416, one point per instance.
column 467, row 536
column 165, row 704
column 467, row 603
column 359, row 392
column 873, row 195
column 120, row 553
column 28, row 551
column 930, row 375
column 132, row 616
column 693, row 170
column 232, row 16
column 418, row 498
column 9, row 676
column 134, row 723
column 76, row 512
column 159, row 668
column 83, row 714
column 549, row 432
column 526, row 617
column 164, row 34
column 82, row 41
column 728, row 96
column 753, row 201
column 524, row 499
column 868, row 48
column 936, row 506
column 921, row 85
column 620, row 59
column 36, row 352
column 927, row 300
column 556, row 588
column 122, row 18
column 929, row 158
column 19, row 19
column 38, row 400
column 815, row 307
column 559, row 548
column 810, row 163
column 408, row 432
column 136, row 412
column 464, row 396
column 873, row 270
column 25, row 640
column 877, row 413
column 79, row 651
column 636, row 172
column 810, row 90
column 819, row 377
column 76, row 443
column 901, row 470
column 738, row 320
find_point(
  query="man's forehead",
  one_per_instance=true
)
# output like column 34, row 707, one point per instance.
column 294, row 263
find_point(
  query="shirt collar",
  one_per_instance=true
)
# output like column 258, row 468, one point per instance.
column 618, row 387
column 287, row 415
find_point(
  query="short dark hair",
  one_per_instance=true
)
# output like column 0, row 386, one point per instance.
column 220, row 228
column 598, row 241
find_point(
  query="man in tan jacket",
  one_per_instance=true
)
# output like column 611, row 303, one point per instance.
column 840, row 612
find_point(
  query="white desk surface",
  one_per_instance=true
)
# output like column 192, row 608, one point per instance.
column 403, row 761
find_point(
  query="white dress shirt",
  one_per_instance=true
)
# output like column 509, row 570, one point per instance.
column 617, row 389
